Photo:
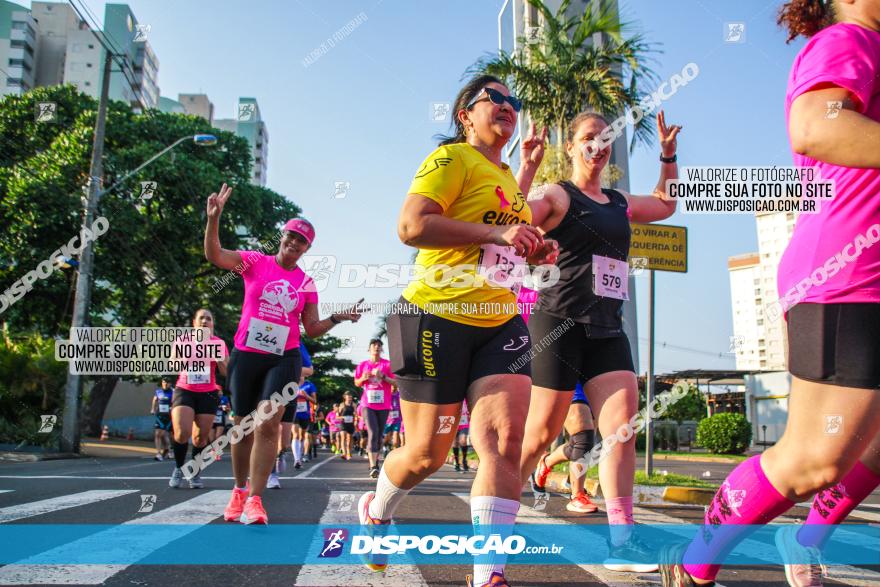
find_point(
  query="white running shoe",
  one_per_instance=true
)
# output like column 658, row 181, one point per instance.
column 273, row 482
column 176, row 478
column 808, row 573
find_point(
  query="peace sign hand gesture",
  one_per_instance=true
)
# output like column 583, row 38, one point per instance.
column 667, row 134
column 217, row 201
column 532, row 150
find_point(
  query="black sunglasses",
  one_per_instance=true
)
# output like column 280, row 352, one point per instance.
column 497, row 98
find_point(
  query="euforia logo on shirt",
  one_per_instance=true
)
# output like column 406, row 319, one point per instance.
column 281, row 294
column 492, row 217
column 428, row 353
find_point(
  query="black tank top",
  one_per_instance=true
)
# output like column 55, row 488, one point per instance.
column 588, row 228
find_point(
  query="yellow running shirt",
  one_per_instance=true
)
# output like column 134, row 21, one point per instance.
column 471, row 188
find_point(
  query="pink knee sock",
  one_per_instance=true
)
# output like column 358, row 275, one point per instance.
column 620, row 518
column 745, row 497
column 832, row 505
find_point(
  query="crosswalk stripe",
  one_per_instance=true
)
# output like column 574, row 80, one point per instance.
column 114, row 543
column 6, row 490
column 54, row 504
column 846, row 574
column 529, row 515
column 342, row 510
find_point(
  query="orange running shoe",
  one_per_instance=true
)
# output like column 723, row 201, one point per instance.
column 582, row 504
column 374, row 562
column 254, row 512
column 495, row 580
column 539, row 478
column 235, row 507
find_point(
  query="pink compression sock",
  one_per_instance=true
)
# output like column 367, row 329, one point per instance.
column 745, row 497
column 620, row 518
column 833, row 505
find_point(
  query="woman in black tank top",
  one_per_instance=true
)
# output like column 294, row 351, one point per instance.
column 584, row 308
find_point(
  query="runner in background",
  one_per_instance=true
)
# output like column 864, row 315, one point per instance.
column 360, row 428
column 332, row 419
column 578, row 320
column 307, row 398
column 581, row 438
column 392, row 425
column 831, row 444
column 161, row 409
column 375, row 377
column 278, row 298
column 464, row 209
column 194, row 401
column 313, row 437
column 462, row 440
column 220, row 421
column 347, row 414
column 285, row 443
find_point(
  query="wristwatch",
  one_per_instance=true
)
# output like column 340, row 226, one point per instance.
column 334, row 320
column 672, row 159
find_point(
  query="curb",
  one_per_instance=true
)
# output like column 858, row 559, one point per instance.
column 133, row 448
column 693, row 459
column 33, row 457
column 642, row 494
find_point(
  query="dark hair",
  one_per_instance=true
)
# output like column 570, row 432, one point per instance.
column 464, row 97
column 805, row 17
column 578, row 119
column 373, row 341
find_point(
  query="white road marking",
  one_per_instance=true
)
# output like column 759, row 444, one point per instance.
column 324, row 574
column 117, row 542
column 54, row 504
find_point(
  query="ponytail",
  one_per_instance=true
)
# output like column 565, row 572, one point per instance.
column 805, row 17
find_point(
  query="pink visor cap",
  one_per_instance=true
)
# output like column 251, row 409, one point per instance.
column 300, row 227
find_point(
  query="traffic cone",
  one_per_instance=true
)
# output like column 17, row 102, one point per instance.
column 105, row 433
column 130, row 434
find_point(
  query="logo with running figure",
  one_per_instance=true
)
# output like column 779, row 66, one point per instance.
column 735, row 498
column 281, row 293
column 334, row 539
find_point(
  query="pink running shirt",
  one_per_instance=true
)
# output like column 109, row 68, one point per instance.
column 841, row 235
column 272, row 295
column 184, row 378
column 374, row 386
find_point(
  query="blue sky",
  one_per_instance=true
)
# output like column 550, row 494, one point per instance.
column 360, row 114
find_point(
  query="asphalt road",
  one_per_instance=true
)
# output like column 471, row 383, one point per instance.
column 108, row 490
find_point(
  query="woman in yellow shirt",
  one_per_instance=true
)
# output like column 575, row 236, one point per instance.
column 456, row 333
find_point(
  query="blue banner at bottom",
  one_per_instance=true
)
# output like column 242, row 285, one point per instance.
column 526, row 544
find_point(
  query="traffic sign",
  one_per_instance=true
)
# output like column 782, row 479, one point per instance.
column 664, row 247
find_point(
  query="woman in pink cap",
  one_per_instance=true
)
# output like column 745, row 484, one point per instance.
column 278, row 296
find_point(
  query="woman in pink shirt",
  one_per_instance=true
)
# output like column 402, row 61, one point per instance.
column 195, row 400
column 829, row 287
column 375, row 377
column 278, row 298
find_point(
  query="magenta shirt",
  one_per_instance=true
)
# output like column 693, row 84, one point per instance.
column 183, row 377
column 375, row 385
column 272, row 294
column 395, row 407
column 847, row 56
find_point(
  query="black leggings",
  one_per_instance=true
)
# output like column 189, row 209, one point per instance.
column 375, row 428
column 254, row 377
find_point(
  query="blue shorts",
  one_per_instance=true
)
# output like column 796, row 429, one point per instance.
column 162, row 422
column 389, row 428
column 579, row 396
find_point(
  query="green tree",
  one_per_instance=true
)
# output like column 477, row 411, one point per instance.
column 691, row 406
column 563, row 71
column 149, row 268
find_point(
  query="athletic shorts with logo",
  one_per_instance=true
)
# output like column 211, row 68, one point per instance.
column 436, row 359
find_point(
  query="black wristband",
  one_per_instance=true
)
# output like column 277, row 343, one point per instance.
column 672, row 159
column 334, row 320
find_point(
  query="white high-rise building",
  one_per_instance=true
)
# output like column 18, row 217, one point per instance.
column 19, row 50
column 249, row 124
column 760, row 340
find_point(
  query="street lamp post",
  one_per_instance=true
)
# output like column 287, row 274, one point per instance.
column 70, row 423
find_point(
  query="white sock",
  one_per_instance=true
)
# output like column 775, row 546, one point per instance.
column 297, row 450
column 388, row 497
column 500, row 514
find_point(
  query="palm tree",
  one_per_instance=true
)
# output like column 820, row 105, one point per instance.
column 567, row 70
